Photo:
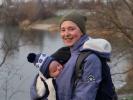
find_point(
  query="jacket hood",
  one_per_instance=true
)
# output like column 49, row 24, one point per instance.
column 100, row 46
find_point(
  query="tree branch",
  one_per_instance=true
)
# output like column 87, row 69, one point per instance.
column 123, row 72
column 4, row 58
column 129, row 7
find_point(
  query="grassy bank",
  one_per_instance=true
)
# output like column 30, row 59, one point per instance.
column 52, row 20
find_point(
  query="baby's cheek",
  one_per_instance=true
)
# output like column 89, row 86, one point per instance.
column 52, row 68
column 60, row 68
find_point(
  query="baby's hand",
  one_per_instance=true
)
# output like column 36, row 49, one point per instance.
column 55, row 68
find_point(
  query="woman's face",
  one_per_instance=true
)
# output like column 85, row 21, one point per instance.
column 70, row 33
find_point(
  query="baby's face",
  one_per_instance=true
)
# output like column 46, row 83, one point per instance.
column 55, row 68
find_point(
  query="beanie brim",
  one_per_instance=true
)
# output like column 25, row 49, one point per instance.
column 77, row 18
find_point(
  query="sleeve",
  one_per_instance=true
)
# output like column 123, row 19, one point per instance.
column 87, row 86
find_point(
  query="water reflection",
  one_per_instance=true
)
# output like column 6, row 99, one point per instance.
column 16, row 74
column 32, row 38
column 11, row 38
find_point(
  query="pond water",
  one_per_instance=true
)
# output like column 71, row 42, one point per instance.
column 16, row 74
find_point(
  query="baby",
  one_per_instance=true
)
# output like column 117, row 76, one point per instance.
column 55, row 64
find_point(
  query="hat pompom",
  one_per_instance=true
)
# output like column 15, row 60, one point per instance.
column 31, row 57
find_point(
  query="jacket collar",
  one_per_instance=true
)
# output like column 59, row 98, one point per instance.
column 76, row 47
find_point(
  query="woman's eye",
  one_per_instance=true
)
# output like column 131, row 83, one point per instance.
column 62, row 30
column 71, row 29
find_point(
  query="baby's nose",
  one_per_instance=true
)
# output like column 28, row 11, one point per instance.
column 59, row 67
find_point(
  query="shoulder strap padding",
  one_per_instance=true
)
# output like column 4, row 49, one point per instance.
column 79, row 64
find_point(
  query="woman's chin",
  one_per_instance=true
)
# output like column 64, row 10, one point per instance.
column 68, row 44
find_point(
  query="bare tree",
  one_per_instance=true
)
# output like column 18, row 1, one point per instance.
column 129, row 5
column 117, row 21
column 10, row 73
column 6, row 3
column 115, row 15
column 4, row 57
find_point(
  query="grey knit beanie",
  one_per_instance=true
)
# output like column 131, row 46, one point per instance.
column 76, row 17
